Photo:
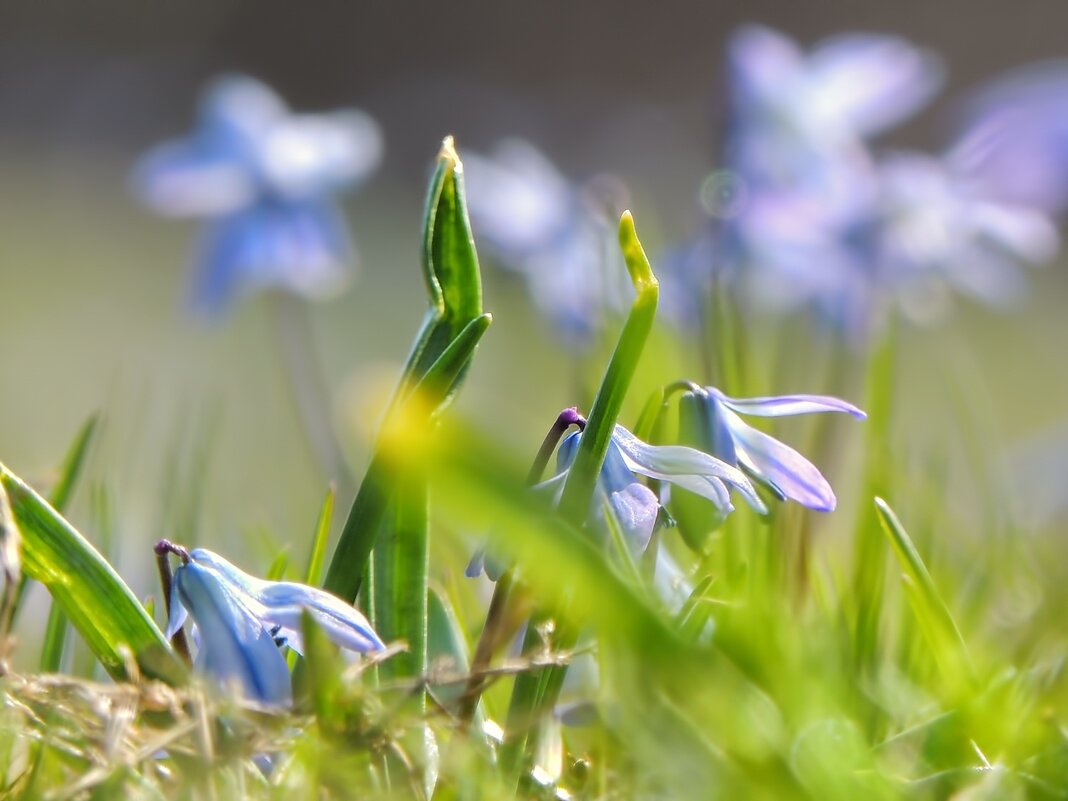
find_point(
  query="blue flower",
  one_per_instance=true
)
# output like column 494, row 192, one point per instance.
column 620, row 491
column 779, row 467
column 264, row 178
column 1013, row 139
column 558, row 236
column 241, row 621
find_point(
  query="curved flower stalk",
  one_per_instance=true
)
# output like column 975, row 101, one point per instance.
column 264, row 179
column 558, row 236
column 241, row 622
column 779, row 467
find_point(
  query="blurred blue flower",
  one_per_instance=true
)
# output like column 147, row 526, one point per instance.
column 264, row 178
column 241, row 621
column 801, row 119
column 782, row 469
column 1013, row 137
column 939, row 229
column 558, row 236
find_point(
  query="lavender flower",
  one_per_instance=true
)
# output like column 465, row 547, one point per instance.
column 1014, row 137
column 241, row 621
column 779, row 467
column 264, row 179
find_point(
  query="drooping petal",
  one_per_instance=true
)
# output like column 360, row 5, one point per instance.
column 690, row 469
column 781, row 465
column 178, row 613
column 787, row 405
column 635, row 508
column 284, row 601
column 280, row 603
column 234, row 645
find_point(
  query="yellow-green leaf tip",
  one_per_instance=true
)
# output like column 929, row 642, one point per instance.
column 641, row 272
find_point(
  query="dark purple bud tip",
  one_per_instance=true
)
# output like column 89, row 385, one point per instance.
column 166, row 546
column 570, row 417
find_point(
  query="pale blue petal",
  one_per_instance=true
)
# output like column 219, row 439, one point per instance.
column 688, row 468
column 186, row 179
column 635, row 508
column 872, row 81
column 305, row 156
column 781, row 465
column 765, row 66
column 234, row 645
column 280, row 603
column 178, row 613
column 477, row 565
column 283, row 602
column 786, row 405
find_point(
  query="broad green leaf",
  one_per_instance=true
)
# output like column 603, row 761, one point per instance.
column 451, row 328
column 99, row 604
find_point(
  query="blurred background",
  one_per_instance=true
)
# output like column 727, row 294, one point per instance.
column 200, row 439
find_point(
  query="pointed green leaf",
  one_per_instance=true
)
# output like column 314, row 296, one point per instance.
column 89, row 591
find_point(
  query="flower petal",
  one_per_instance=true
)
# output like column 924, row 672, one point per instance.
column 871, row 81
column 787, row 405
column 187, row 179
column 686, row 467
column 234, row 645
column 178, row 613
column 781, row 465
column 279, row 603
column 284, row 601
column 635, row 508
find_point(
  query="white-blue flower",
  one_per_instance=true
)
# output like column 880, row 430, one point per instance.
column 264, row 179
column 778, row 466
column 620, row 491
column 241, row 622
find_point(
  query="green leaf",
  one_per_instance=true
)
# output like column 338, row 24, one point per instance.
column 452, row 327
column 72, row 464
column 582, row 477
column 401, row 564
column 317, row 557
column 89, row 591
column 537, row 691
column 931, row 611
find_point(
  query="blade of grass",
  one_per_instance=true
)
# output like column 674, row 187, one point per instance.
column 55, row 637
column 931, row 611
column 317, row 556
